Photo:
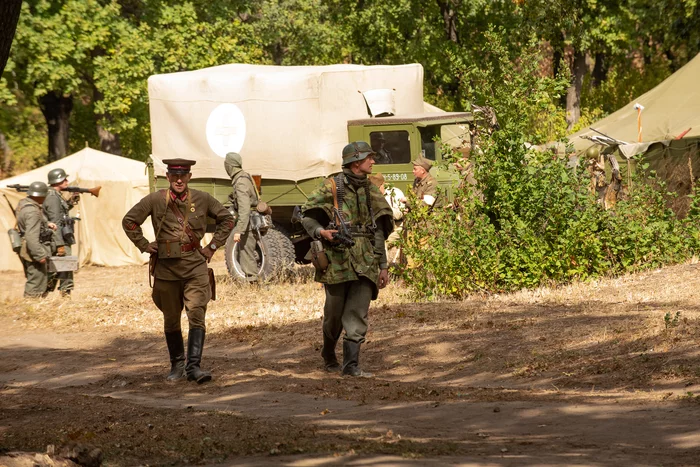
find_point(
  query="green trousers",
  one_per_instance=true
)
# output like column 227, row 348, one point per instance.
column 63, row 279
column 192, row 294
column 37, row 279
column 347, row 307
column 246, row 254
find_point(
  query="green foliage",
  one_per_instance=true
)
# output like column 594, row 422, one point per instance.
column 671, row 321
column 530, row 219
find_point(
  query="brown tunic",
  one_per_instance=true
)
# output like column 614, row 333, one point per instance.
column 196, row 208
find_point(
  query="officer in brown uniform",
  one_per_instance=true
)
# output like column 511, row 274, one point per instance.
column 424, row 185
column 179, row 217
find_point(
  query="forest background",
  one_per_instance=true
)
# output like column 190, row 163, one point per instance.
column 78, row 69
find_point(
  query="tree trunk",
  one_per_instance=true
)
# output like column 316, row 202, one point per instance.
column 600, row 69
column 56, row 109
column 109, row 142
column 449, row 17
column 6, row 168
column 9, row 16
column 573, row 95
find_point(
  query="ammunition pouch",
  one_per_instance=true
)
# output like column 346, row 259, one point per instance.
column 319, row 258
column 68, row 230
column 46, row 235
column 260, row 222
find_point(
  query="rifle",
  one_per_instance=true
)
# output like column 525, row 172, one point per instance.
column 71, row 189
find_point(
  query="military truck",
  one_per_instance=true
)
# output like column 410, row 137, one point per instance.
column 290, row 125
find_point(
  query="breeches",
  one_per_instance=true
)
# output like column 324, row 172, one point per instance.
column 192, row 294
column 347, row 306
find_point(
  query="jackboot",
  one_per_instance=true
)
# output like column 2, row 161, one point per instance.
column 330, row 361
column 351, row 360
column 176, row 349
column 195, row 345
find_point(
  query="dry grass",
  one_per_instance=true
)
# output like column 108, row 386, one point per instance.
column 628, row 332
column 110, row 299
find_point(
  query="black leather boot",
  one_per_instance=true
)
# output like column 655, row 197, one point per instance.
column 176, row 349
column 330, row 361
column 351, row 360
column 195, row 345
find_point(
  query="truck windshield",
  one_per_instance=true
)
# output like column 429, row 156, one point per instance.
column 456, row 136
column 392, row 147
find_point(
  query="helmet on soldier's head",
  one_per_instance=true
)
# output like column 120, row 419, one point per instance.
column 56, row 176
column 593, row 152
column 356, row 151
column 38, row 190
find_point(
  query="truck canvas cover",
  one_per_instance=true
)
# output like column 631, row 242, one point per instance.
column 288, row 123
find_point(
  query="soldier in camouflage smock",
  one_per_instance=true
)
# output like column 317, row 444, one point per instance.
column 355, row 273
column 181, row 280
column 56, row 209
column 36, row 234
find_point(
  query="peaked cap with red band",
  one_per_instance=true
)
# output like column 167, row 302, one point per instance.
column 179, row 166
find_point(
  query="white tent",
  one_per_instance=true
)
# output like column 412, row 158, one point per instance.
column 99, row 234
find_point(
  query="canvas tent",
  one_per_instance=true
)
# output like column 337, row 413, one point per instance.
column 99, row 234
column 290, row 123
column 670, row 109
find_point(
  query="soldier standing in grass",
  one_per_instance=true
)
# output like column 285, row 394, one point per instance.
column 244, row 198
column 56, row 208
column 36, row 234
column 181, row 277
column 355, row 273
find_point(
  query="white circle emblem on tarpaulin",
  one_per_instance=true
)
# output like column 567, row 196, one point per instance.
column 226, row 129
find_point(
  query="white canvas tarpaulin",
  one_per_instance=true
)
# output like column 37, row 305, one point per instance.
column 670, row 109
column 99, row 234
column 288, row 123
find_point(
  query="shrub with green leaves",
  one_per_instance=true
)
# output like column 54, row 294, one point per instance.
column 530, row 218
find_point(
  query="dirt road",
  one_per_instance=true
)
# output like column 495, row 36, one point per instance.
column 593, row 374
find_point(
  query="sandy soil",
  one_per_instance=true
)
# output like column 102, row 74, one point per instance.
column 602, row 373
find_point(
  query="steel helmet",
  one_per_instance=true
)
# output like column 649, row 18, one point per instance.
column 56, row 176
column 356, row 151
column 593, row 152
column 38, row 190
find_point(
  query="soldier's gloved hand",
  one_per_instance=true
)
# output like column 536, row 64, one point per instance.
column 151, row 248
column 383, row 278
column 74, row 199
column 52, row 226
column 207, row 253
column 237, row 237
column 61, row 250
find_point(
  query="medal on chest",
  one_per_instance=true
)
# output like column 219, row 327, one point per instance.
column 192, row 209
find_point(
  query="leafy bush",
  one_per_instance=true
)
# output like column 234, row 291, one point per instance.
column 529, row 218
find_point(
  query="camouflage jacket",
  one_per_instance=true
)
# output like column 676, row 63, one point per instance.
column 367, row 256
column 244, row 198
column 195, row 208
column 34, row 229
column 55, row 208
column 427, row 186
